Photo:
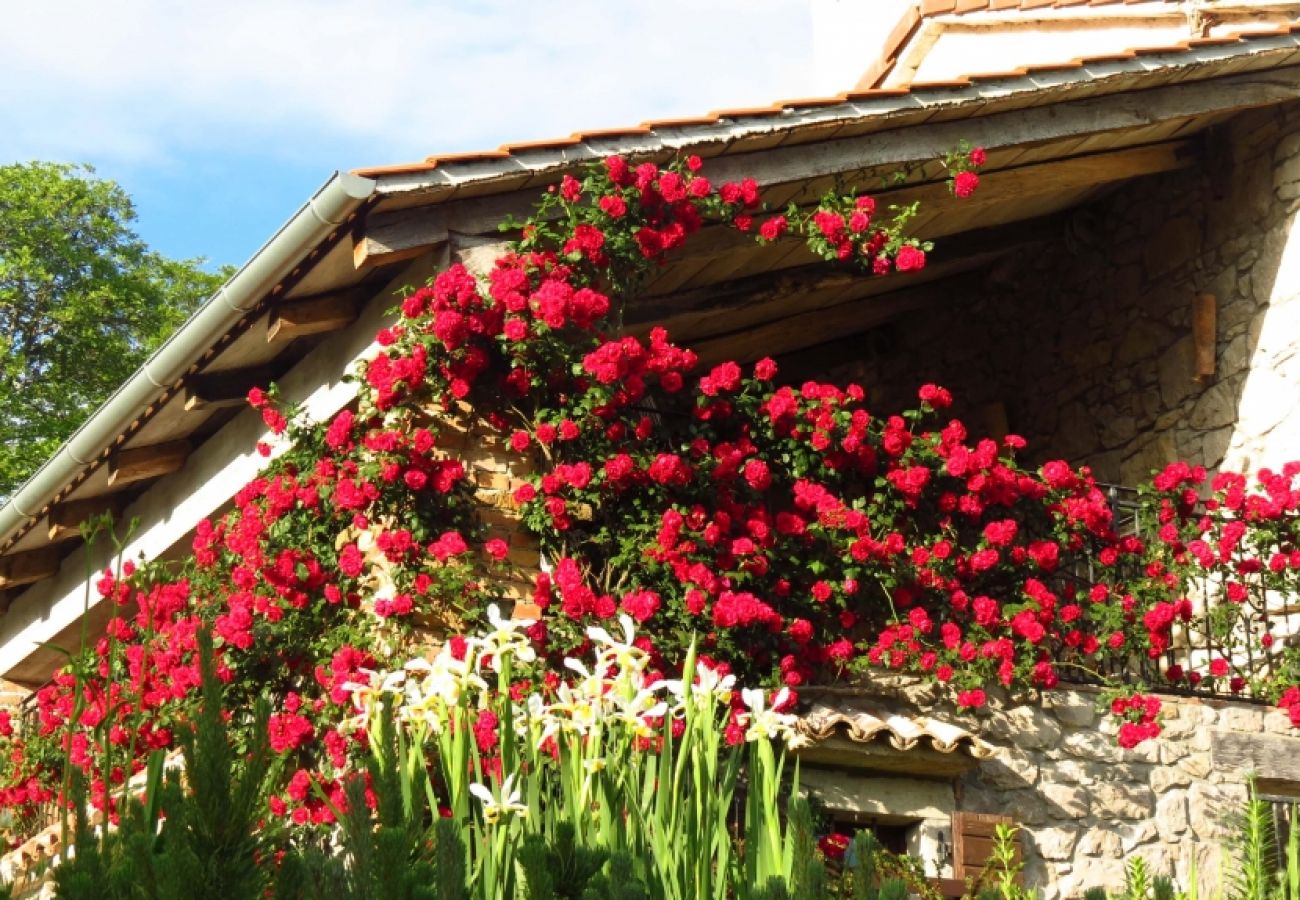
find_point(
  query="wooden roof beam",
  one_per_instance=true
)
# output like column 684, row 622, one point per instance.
column 218, row 390
column 997, row 188
column 755, row 291
column 798, row 332
column 65, row 519
column 145, row 463
column 388, row 238
column 28, row 568
column 312, row 315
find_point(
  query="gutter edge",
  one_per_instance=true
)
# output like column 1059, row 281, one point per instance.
column 323, row 212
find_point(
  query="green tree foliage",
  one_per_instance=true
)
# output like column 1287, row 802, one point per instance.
column 82, row 302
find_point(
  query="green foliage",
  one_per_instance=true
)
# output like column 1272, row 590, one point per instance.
column 807, row 872
column 561, row 869
column 209, row 845
column 1253, row 850
column 391, row 857
column 1000, row 878
column 82, row 302
column 618, row 883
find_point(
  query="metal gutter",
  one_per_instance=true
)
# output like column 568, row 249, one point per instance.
column 327, row 209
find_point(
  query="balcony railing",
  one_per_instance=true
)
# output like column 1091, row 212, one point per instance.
column 1219, row 628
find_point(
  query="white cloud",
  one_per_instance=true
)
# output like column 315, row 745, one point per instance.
column 150, row 81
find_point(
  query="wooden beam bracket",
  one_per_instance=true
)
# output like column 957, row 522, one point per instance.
column 65, row 519
column 312, row 315
column 29, row 567
column 144, row 463
column 216, row 390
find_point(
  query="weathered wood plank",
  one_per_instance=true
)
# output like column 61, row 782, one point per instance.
column 997, row 189
column 847, row 755
column 224, row 389
column 737, row 304
column 818, row 326
column 143, row 463
column 64, row 519
column 29, row 567
column 1204, row 317
column 387, row 238
column 312, row 315
column 972, row 840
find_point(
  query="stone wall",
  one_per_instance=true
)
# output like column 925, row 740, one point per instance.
column 1086, row 342
column 1087, row 805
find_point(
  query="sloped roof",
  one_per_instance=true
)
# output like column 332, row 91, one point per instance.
column 1101, row 73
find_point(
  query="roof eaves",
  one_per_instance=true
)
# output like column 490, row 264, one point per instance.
column 280, row 258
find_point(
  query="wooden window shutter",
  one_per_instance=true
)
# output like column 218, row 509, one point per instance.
column 972, row 842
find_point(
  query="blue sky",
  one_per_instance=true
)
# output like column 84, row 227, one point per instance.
column 220, row 119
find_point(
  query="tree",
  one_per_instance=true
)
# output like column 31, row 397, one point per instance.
column 83, row 301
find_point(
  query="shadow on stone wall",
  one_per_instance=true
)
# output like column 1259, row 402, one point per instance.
column 1085, row 340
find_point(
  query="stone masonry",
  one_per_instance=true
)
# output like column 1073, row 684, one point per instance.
column 1086, row 341
column 1087, row 805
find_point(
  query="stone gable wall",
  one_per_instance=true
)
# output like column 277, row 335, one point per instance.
column 1086, row 340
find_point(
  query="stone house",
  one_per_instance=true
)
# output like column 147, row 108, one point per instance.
column 1124, row 290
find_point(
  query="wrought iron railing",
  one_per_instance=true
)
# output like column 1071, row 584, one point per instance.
column 1218, row 629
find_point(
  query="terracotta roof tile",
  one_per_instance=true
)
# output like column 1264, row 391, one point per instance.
column 947, row 84
column 876, row 93
column 1212, row 41
column 1121, row 56
column 997, row 76
column 863, row 724
column 1053, row 67
column 545, row 144
column 946, row 7
column 910, row 21
column 684, row 122
column 471, row 156
column 629, row 131
column 811, row 102
column 1159, row 51
column 745, row 112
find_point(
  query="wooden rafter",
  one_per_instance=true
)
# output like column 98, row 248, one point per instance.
column 388, row 238
column 745, row 301
column 216, row 390
column 312, row 315
column 144, row 463
column 64, row 519
column 29, row 567
column 797, row 332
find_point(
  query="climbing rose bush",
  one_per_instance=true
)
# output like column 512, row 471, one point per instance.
column 788, row 530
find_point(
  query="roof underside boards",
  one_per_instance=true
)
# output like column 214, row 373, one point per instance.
column 1056, row 138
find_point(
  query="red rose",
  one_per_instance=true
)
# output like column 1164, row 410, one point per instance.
column 909, row 259
column 965, row 184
